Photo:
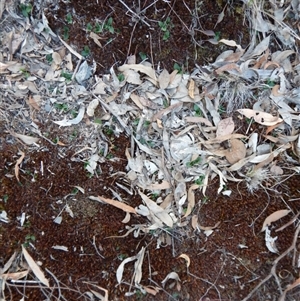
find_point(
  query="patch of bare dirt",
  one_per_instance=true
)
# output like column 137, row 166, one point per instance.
column 139, row 28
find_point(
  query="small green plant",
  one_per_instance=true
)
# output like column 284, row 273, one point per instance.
column 122, row 256
column 25, row 73
column 221, row 109
column 74, row 134
column 89, row 27
column 193, row 162
column 61, row 107
column 205, row 200
column 97, row 28
column 217, row 35
column 143, row 56
column 108, row 131
column 29, row 238
column 200, row 180
column 74, row 190
column 154, row 196
column 165, row 103
column 108, row 25
column 136, row 121
column 86, row 51
column 66, row 75
column 146, row 123
column 270, row 83
column 198, row 111
column 121, row 77
column 109, row 156
column 69, row 18
column 165, row 27
column 97, row 121
column 139, row 295
column 178, row 68
column 74, row 113
column 49, row 58
column 5, row 198
column 66, row 32
column 26, row 9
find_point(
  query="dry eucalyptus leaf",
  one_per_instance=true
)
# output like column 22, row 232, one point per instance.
column 14, row 276
column 138, row 266
column 221, row 16
column 261, row 117
column 120, row 269
column 132, row 77
column 153, row 290
column 208, row 228
column 236, row 152
column 228, row 67
column 141, row 68
column 26, row 139
column 96, row 38
column 35, row 268
column 75, row 120
column 117, row 204
column 164, row 79
column 191, row 200
column 225, row 127
column 157, row 211
column 126, row 218
column 274, row 217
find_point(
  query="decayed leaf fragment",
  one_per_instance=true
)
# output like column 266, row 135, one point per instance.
column 225, row 127
column 270, row 241
column 33, row 103
column 19, row 161
column 172, row 275
column 236, row 152
column 191, row 89
column 274, row 217
column 35, row 268
column 194, row 221
column 186, row 258
column 261, row 117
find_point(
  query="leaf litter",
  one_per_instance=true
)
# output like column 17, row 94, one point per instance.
column 168, row 154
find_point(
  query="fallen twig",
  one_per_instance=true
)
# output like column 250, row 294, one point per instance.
column 273, row 270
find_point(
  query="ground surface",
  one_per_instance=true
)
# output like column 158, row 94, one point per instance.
column 144, row 37
column 82, row 252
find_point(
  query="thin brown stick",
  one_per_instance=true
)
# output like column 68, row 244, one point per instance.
column 273, row 270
